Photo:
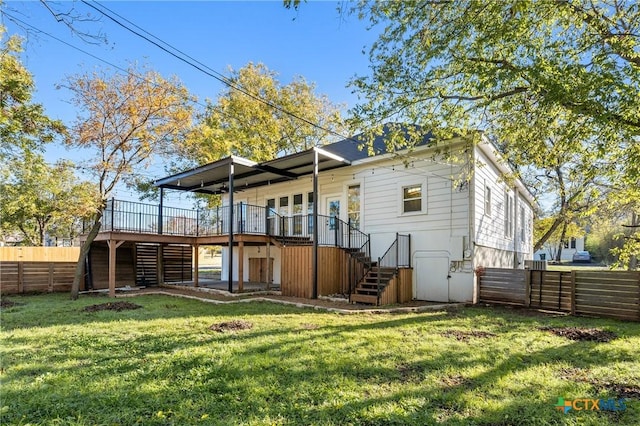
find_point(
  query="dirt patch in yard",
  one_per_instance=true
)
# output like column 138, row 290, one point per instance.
column 465, row 336
column 6, row 303
column 582, row 334
column 112, row 306
column 620, row 390
column 235, row 325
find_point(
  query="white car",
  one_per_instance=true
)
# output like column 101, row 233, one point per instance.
column 582, row 256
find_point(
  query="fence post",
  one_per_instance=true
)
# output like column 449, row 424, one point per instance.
column 527, row 287
column 197, row 222
column 349, row 231
column 241, row 223
column 573, row 292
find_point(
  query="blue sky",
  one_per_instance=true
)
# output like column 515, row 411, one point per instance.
column 315, row 42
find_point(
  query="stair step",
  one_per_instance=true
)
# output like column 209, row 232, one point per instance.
column 369, row 284
column 363, row 298
column 366, row 291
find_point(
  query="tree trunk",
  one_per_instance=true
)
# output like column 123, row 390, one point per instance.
column 633, row 260
column 84, row 251
column 559, row 218
column 563, row 235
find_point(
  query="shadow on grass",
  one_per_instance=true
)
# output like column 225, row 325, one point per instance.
column 365, row 369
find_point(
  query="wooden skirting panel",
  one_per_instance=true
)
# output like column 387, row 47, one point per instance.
column 178, row 263
column 36, row 277
column 125, row 266
column 297, row 271
column 399, row 289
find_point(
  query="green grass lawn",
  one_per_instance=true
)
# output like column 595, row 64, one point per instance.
column 162, row 364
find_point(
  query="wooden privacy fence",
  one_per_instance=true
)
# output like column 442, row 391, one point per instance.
column 610, row 294
column 36, row 277
column 39, row 254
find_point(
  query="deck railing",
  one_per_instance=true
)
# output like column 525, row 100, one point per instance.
column 397, row 255
column 135, row 217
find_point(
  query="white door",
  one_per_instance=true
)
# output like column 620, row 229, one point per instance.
column 432, row 278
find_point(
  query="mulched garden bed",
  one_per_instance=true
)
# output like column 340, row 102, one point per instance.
column 234, row 325
column 112, row 306
column 582, row 334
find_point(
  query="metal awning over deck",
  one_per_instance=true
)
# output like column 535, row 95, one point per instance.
column 231, row 174
column 213, row 178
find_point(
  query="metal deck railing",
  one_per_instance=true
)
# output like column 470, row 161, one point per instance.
column 141, row 218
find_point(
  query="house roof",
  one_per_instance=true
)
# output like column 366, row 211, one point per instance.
column 354, row 149
column 213, row 178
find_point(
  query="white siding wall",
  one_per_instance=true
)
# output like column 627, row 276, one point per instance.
column 490, row 232
column 444, row 231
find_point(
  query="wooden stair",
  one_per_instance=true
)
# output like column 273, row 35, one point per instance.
column 367, row 289
column 293, row 240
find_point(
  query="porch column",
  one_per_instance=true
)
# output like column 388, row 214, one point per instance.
column 314, row 290
column 240, row 266
column 230, row 226
column 113, row 246
column 268, row 265
column 196, row 254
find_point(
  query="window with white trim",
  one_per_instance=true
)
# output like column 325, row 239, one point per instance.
column 353, row 205
column 487, row 201
column 412, row 198
column 508, row 215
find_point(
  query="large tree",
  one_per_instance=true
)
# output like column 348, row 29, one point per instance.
column 529, row 74
column 259, row 118
column 39, row 200
column 24, row 127
column 124, row 120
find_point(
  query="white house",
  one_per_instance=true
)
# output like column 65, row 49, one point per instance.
column 454, row 199
column 570, row 246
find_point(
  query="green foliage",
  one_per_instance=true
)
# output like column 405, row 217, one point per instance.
column 241, row 124
column 127, row 120
column 23, row 125
column 556, row 84
column 161, row 364
column 37, row 199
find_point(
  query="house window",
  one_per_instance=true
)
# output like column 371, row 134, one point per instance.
column 565, row 244
column 297, row 214
column 508, row 215
column 271, row 213
column 573, row 242
column 412, row 198
column 353, row 205
column 487, row 201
